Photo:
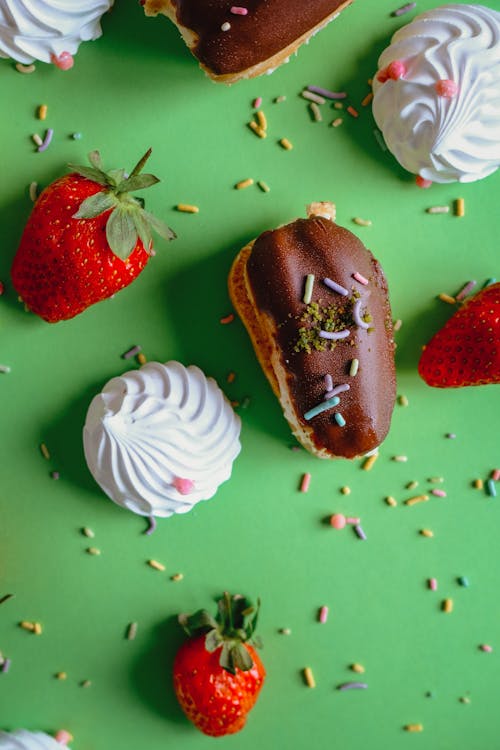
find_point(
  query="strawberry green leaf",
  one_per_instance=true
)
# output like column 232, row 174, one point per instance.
column 140, row 164
column 121, row 233
column 226, row 657
column 91, row 174
column 95, row 205
column 116, row 176
column 95, row 160
column 137, row 182
column 241, row 658
column 213, row 640
column 143, row 230
column 159, row 226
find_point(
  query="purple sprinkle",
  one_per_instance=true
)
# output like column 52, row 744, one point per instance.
column 326, row 93
column 465, row 290
column 404, row 9
column 54, row 474
column 338, row 389
column 336, row 287
column 359, row 532
column 352, row 685
column 131, row 352
column 356, row 314
column 335, row 335
column 6, row 665
column 47, row 140
column 328, row 382
column 151, row 525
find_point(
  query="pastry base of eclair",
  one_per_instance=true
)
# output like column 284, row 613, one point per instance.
column 262, row 332
column 166, row 7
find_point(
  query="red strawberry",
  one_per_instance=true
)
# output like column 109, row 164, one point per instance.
column 466, row 351
column 86, row 239
column 217, row 673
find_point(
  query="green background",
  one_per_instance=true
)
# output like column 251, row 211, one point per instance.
column 139, row 87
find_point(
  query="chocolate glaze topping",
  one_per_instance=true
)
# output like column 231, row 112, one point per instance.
column 269, row 26
column 277, row 267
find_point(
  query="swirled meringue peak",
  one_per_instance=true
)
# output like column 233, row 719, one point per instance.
column 48, row 30
column 21, row 739
column 437, row 94
column 160, row 439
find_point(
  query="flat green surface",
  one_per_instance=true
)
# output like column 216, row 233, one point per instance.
column 139, row 87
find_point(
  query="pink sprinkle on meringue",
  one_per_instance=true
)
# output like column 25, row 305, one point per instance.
column 422, row 182
column 64, row 61
column 184, row 486
column 396, row 69
column 447, row 88
column 63, row 737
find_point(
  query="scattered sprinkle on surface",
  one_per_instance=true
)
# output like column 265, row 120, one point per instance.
column 286, row 144
column 305, row 482
column 131, row 631
column 414, row 727
column 93, row 551
column 459, row 207
column 187, row 208
column 309, row 677
column 244, row 184
column 156, row 565
column 352, row 686
column 362, row 222
column 45, row 451
column 86, row 531
column 369, row 462
column 131, row 352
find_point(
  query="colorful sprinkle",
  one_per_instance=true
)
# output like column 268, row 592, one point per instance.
column 358, row 668
column 328, row 382
column 323, row 614
column 187, row 208
column 93, row 551
column 338, row 105
column 413, row 727
column 309, row 677
column 459, row 207
column 390, row 501
column 42, row 112
column 335, row 335
column 61, row 675
column 339, row 419
column 338, row 389
column 436, row 480
column 177, row 577
column 151, row 526
column 354, row 367
column 352, row 686
column 261, row 120
column 336, row 287
column 225, row 26
column 359, row 532
column 338, row 521
column 64, row 61
column 478, row 484
column 237, row 10
column 88, row 532
column 446, row 88
column 320, row 408
column 264, row 186
column 33, row 190
column 465, row 290
column 403, row 400
column 131, row 352
column 156, row 565
column 380, row 139
column 257, row 102
column 227, row 319
column 338, row 121
column 131, row 631
column 412, row 485
column 345, row 490
column 25, row 68
column 427, row 533
column 5, row 369
column 400, row 459
column 85, row 683
column 316, row 112
column 417, row 499
column 463, row 581
column 5, row 665
column 490, row 488
column 360, row 278
column 286, row 144
column 495, row 475
column 368, row 464
column 312, row 97
column 446, row 298
column 308, row 289
column 141, row 358
column 438, row 493
column 244, row 184
column 183, row 486
column 422, row 182
column 280, row 99
column 76, row 136
column 356, row 314
column 36, row 139
column 44, row 451
column 438, row 210
column 447, row 605
column 305, row 482
column 326, row 93
column 433, row 584
column 397, row 324
column 285, row 631
column 366, row 101
column 353, row 112
column 485, row 647
column 404, row 9
column 63, row 737
column 46, row 141
column 362, row 222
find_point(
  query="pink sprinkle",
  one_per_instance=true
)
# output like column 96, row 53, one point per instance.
column 184, row 486
column 257, row 102
column 239, row 11
column 6, row 665
column 305, row 482
column 486, row 647
column 353, row 112
column 396, row 69
column 433, row 584
column 323, row 614
column 64, row 61
column 422, row 182
column 352, row 520
column 447, row 88
column 63, row 737
column 360, row 278
column 438, row 493
column 338, row 521
column 495, row 475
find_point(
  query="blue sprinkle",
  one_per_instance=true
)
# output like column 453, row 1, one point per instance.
column 490, row 488
column 339, row 419
column 489, row 282
column 463, row 581
column 76, row 136
column 324, row 406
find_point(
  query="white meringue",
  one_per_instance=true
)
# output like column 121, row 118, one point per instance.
column 444, row 139
column 160, row 439
column 21, row 739
column 39, row 29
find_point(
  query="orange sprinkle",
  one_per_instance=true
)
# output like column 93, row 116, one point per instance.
column 353, row 112
column 228, row 319
column 366, row 101
column 230, row 377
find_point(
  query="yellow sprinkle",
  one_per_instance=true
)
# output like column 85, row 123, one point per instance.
column 177, row 577
column 426, row 532
column 316, row 112
column 33, row 191
column 459, row 207
column 263, row 186
column 285, row 143
column 88, row 532
column 447, row 605
column 85, row 683
column 338, row 121
column 257, row 129
column 366, row 101
column 412, row 485
column 358, row 668
column 261, row 119
column 37, row 628
column 309, row 677
column 156, row 565
column 369, row 81
column 345, row 490
column 403, row 400
column 60, row 675
column 390, row 501
column 44, row 451
column 435, row 480
column 187, row 208
column 42, row 112
column 362, row 222
column 478, row 484
column 93, row 551
column 141, row 358
column 244, row 184
column 397, row 324
column 414, row 728
column 36, row 139
column 446, row 298
column 368, row 464
column 25, row 68
column 338, row 105
column 400, row 459
column 417, row 499
column 464, row 699
column 26, row 625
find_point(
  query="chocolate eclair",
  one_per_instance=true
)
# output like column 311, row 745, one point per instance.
column 315, row 303
column 233, row 41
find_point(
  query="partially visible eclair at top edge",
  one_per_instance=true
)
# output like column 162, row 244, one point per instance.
column 315, row 303
column 245, row 39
